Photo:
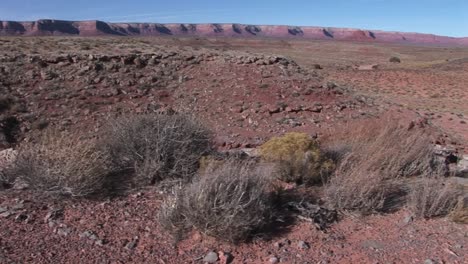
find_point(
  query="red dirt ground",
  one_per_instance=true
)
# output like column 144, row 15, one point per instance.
column 232, row 86
column 354, row 239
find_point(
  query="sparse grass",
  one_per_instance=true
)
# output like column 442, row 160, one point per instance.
column 157, row 146
column 460, row 212
column 231, row 202
column 298, row 158
column 433, row 197
column 370, row 177
column 61, row 163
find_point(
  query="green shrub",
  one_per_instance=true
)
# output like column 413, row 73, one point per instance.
column 231, row 202
column 157, row 146
column 298, row 158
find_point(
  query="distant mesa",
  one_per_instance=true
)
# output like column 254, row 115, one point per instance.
column 52, row 27
column 327, row 33
column 188, row 28
column 252, row 29
column 237, row 28
column 217, row 28
column 295, row 31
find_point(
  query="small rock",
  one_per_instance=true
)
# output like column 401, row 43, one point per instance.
column 89, row 234
column 408, row 219
column 273, row 260
column 132, row 244
column 6, row 214
column 18, row 207
column 3, row 209
column 21, row 217
column 303, row 245
column 53, row 214
column 429, row 261
column 225, row 257
column 63, row 231
column 211, row 257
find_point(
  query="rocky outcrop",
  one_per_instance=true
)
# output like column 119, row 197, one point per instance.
column 50, row 27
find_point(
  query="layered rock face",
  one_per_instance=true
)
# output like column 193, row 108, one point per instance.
column 48, row 27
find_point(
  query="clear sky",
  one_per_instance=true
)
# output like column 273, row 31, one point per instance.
column 442, row 17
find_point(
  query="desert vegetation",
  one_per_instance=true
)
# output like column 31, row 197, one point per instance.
column 298, row 158
column 61, row 163
column 383, row 157
column 376, row 166
column 157, row 147
column 232, row 202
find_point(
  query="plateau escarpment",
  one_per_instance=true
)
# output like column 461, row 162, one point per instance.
column 49, row 27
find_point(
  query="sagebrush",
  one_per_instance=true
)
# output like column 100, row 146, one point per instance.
column 157, row 146
column 231, row 202
column 62, row 163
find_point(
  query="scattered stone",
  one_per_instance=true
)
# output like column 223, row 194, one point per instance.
column 303, row 245
column 63, row 230
column 6, row 214
column 89, row 235
column 17, row 207
column 211, row 257
column 429, row 261
column 53, row 214
column 132, row 244
column 369, row 67
column 21, row 217
column 373, row 244
column 408, row 219
column 319, row 216
column 273, row 260
column 225, row 257
column 48, row 75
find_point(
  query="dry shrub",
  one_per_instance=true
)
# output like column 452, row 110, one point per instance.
column 61, row 163
column 7, row 162
column 395, row 59
column 433, row 197
column 230, row 202
column 298, row 158
column 381, row 154
column 157, row 146
column 460, row 212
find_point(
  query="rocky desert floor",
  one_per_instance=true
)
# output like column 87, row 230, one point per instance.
column 247, row 91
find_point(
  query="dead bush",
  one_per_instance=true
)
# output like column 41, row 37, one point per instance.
column 395, row 59
column 433, row 197
column 157, row 146
column 62, row 163
column 381, row 154
column 460, row 212
column 231, row 202
column 7, row 162
column 298, row 158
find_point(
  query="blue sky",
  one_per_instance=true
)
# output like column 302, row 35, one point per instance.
column 443, row 17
